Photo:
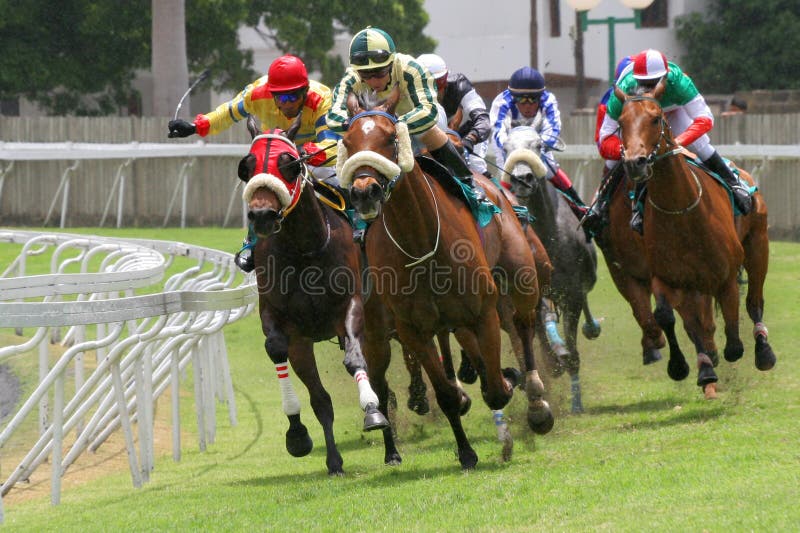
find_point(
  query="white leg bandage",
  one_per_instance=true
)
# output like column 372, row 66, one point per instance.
column 291, row 404
column 366, row 395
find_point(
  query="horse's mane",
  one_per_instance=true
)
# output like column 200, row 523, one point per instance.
column 369, row 99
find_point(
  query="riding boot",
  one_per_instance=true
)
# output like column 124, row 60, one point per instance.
column 637, row 208
column 741, row 195
column 448, row 155
column 245, row 258
column 597, row 216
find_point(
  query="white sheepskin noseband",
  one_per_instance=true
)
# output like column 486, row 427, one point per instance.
column 272, row 183
column 524, row 155
column 346, row 165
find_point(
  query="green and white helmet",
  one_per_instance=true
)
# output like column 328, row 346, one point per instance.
column 371, row 48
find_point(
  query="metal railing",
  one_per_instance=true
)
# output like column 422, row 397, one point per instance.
column 142, row 344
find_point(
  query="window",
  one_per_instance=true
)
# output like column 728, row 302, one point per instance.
column 555, row 18
column 655, row 16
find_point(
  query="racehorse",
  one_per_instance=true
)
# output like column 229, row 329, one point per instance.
column 435, row 271
column 308, row 274
column 574, row 260
column 692, row 244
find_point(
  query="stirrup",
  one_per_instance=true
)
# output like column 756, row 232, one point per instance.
column 637, row 222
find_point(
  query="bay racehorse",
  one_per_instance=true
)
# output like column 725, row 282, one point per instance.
column 309, row 284
column 434, row 271
column 574, row 260
column 692, row 244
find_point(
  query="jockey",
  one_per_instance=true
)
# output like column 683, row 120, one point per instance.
column 276, row 99
column 375, row 65
column 525, row 98
column 687, row 113
column 454, row 91
column 595, row 218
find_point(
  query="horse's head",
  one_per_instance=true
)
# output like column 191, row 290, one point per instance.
column 373, row 153
column 524, row 168
column 274, row 176
column 644, row 131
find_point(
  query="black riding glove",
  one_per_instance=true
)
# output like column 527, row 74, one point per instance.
column 181, row 128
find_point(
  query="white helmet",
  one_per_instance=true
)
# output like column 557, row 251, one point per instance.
column 650, row 65
column 434, row 64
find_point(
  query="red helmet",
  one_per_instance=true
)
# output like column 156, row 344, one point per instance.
column 287, row 73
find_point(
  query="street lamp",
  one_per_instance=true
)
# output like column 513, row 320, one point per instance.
column 583, row 7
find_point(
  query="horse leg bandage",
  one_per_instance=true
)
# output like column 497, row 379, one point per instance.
column 291, row 404
column 366, row 395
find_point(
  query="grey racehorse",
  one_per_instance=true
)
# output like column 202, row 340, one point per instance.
column 574, row 260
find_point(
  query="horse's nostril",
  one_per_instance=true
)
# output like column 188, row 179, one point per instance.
column 374, row 191
column 641, row 160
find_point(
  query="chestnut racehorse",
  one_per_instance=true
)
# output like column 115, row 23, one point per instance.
column 692, row 244
column 308, row 274
column 434, row 271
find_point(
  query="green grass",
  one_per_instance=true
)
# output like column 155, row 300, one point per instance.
column 649, row 454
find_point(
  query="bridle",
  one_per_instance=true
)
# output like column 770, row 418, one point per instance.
column 663, row 139
column 387, row 185
column 655, row 156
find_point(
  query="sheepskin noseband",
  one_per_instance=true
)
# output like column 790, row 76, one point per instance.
column 346, row 164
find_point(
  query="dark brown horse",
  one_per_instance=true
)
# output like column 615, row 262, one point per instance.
column 434, row 271
column 692, row 245
column 308, row 273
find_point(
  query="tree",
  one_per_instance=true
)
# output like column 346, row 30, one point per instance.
column 307, row 27
column 742, row 45
column 80, row 56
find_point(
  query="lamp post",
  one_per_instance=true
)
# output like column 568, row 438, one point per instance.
column 583, row 7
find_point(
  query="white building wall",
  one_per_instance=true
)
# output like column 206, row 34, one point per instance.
column 488, row 40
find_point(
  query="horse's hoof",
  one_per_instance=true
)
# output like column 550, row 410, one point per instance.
column 336, row 473
column 513, row 376
column 419, row 405
column 591, row 330
column 466, row 372
column 298, row 442
column 335, row 465
column 706, row 376
column 392, row 459
column 650, row 356
column 468, row 458
column 710, row 391
column 540, row 417
column 733, row 351
column 765, row 357
column 677, row 369
column 374, row 419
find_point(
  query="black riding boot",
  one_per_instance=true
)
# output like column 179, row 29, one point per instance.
column 637, row 212
column 741, row 196
column 597, row 216
column 245, row 258
column 448, row 156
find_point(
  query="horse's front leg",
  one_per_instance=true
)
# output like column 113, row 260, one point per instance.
column 298, row 441
column 378, row 355
column 540, row 416
column 496, row 389
column 356, row 365
column 677, row 367
column 728, row 299
column 301, row 356
column 756, row 261
column 571, row 317
column 448, row 395
column 696, row 310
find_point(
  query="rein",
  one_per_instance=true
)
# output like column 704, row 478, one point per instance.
column 391, row 184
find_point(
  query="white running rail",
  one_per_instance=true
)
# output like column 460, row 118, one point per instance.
column 142, row 344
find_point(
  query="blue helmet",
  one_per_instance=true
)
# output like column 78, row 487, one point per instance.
column 526, row 80
column 622, row 66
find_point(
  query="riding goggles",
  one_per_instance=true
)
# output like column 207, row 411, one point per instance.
column 375, row 73
column 526, row 98
column 360, row 59
column 287, row 98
